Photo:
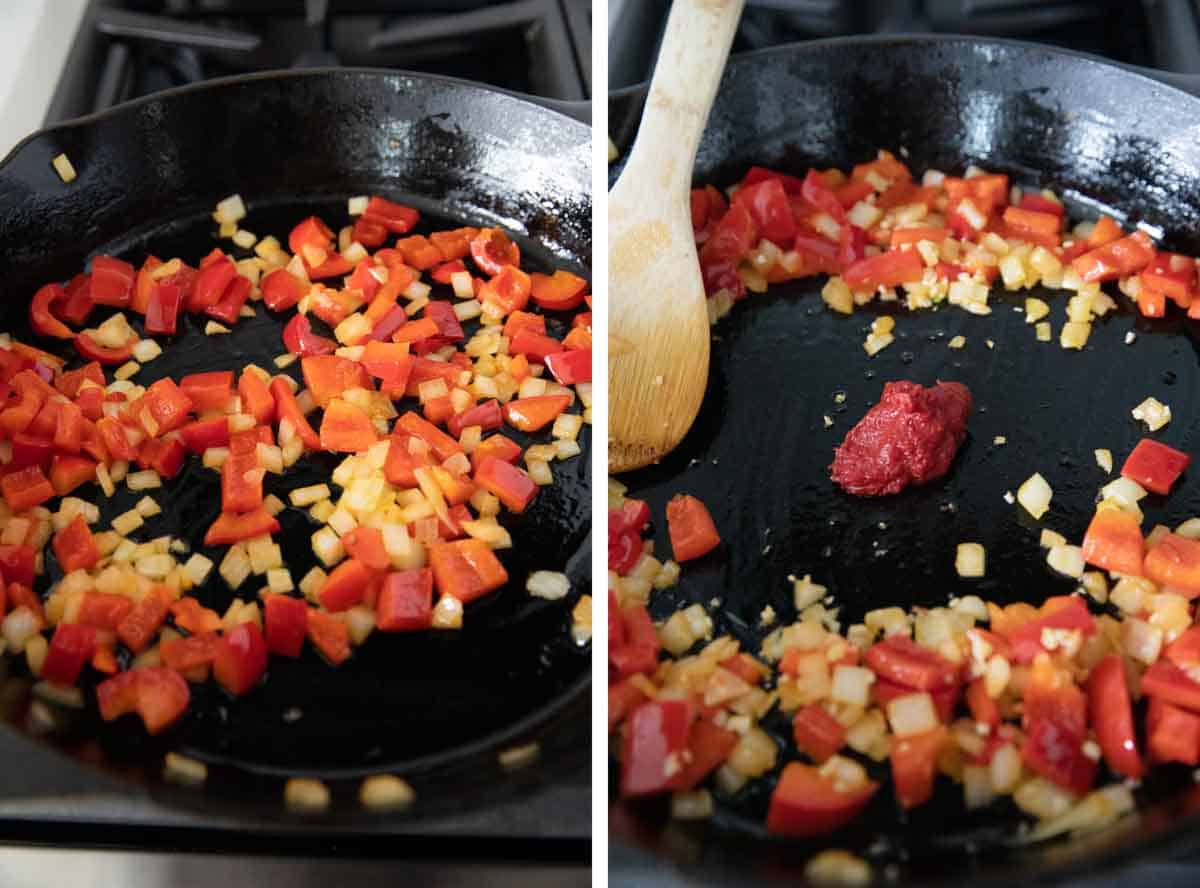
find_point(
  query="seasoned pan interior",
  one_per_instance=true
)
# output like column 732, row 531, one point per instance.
column 434, row 706
column 759, row 452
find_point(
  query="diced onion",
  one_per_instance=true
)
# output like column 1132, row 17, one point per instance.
column 1034, row 494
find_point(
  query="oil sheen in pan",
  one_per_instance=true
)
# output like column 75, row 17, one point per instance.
column 759, row 454
column 410, row 703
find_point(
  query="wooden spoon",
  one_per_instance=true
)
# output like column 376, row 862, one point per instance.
column 658, row 318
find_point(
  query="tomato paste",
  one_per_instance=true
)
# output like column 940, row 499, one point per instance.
column 909, row 437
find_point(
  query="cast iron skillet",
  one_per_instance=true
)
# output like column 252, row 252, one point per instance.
column 433, row 706
column 759, row 452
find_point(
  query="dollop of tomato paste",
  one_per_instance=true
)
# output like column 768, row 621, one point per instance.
column 909, row 437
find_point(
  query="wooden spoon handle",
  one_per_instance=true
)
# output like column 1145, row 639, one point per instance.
column 690, row 63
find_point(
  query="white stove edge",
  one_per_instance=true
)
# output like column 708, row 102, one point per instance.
column 35, row 36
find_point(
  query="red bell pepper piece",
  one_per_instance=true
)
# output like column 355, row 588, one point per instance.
column 444, row 272
column 208, row 392
column 1033, row 226
column 75, row 547
column 77, row 305
column 287, row 408
column 386, row 327
column 1166, row 681
column 193, row 618
column 157, row 694
column 365, row 544
column 112, row 281
column 212, row 280
column 281, row 289
column 415, row 331
column 768, row 205
column 983, row 708
column 1111, row 716
column 1055, row 722
column 916, row 234
column 346, row 585
column 164, row 455
column 638, row 647
column 299, row 339
column 1175, row 562
column 142, row 623
column 656, row 734
column 396, row 218
column 531, row 414
column 487, row 416
column 387, row 361
column 68, row 430
column 901, row 660
column 17, row 564
column 1173, row 275
column 419, row 252
column 498, row 447
column 346, row 428
column 691, row 528
column 1185, row 650
column 286, row 621
column 162, row 312
column 914, row 765
column 26, row 488
column 191, row 656
column 1060, row 612
column 369, row 234
column 333, row 266
column 229, row 307
column 492, row 249
column 30, row 451
column 534, row 345
column 241, row 483
column 1114, row 542
column 328, row 376
column 888, row 269
column 71, row 646
column 442, row 314
column 312, row 232
column 40, row 317
column 1172, row 734
column 69, row 472
column 200, row 435
column 241, row 658
column 443, row 445
column 571, row 367
column 624, row 545
column 93, row 351
column 1039, row 204
column 817, row 733
column 561, row 291
column 402, row 460
column 817, row 194
column 807, row 803
column 511, row 485
column 524, row 322
column 1155, row 466
column 406, row 601
column 256, row 398
column 169, row 405
column 466, row 569
column 509, row 289
column 708, row 747
column 329, row 635
column 103, row 611
column 230, row 528
column 1119, row 258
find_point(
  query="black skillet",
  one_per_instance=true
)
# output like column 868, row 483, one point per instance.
column 436, row 708
column 759, row 452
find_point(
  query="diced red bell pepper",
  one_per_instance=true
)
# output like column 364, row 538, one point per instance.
column 916, row 234
column 30, row 451
column 164, row 455
column 492, row 249
column 1119, row 258
column 312, row 232
column 984, row 710
column 230, row 528
column 212, row 280
column 112, row 281
column 888, row 269
column 1155, row 466
column 901, row 660
column 1172, row 734
column 1111, row 717
column 708, row 747
column 287, row 408
column 229, row 307
column 571, row 367
column 42, row 320
column 142, row 623
column 200, row 435
column 531, row 414
column 17, row 563
column 691, row 528
column 69, row 472
column 1040, row 204
column 561, row 291
column 346, row 585
column 817, row 194
column 656, row 737
column 68, row 430
column 77, row 304
column 487, row 416
column 1033, row 226
column 75, row 547
column 1175, row 561
column 387, row 325
column 406, row 601
column 524, row 322
column 369, row 234
column 333, row 266
column 157, row 694
column 365, row 544
column 416, row 330
column 329, row 635
column 241, row 658
column 1173, row 275
column 1185, row 650
column 71, row 646
column 192, row 655
column 286, row 621
column 169, row 405
column 768, row 205
column 1055, row 721
column 1114, row 542
column 509, row 289
column 510, row 484
column 93, row 351
column 807, row 803
column 914, row 765
column 103, row 610
column 346, row 428
column 256, row 398
column 190, row 616
column 535, row 346
column 281, row 289
column 443, row 445
column 419, row 252
column 241, row 483
column 388, row 361
column 208, row 392
column 1166, row 681
column 26, row 488
column 162, row 312
column 328, row 376
column 402, row 460
column 466, row 569
column 299, row 339
column 396, row 218
column 817, row 733
column 1067, row 612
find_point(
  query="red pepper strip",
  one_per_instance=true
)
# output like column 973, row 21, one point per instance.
column 287, row 408
column 44, row 323
column 1116, row 259
column 807, row 803
column 93, row 351
column 904, row 662
column 531, row 414
column 211, row 282
column 571, row 367
column 406, row 601
column 466, row 569
column 1112, row 717
column 443, row 445
column 1037, row 203
column 333, row 266
column 396, row 218
column 888, row 269
column 162, row 312
column 534, row 345
column 1155, row 466
column 229, row 528
column 510, row 484
column 387, row 325
column 229, row 306
column 299, row 339
column 112, row 281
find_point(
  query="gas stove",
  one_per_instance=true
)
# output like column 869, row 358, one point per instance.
column 125, row 49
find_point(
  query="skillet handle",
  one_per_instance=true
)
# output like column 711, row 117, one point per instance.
column 1189, row 83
